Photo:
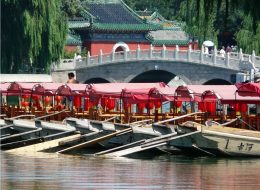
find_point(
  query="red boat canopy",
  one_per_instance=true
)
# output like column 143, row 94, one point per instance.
column 72, row 90
column 3, row 87
column 166, row 93
column 248, row 89
column 115, row 89
column 226, row 93
column 18, row 88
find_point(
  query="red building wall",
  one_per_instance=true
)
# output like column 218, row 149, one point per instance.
column 107, row 47
column 70, row 48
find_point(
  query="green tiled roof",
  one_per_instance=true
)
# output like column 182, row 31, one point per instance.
column 73, row 40
column 167, row 24
column 170, row 42
column 166, row 41
column 78, row 24
column 124, row 27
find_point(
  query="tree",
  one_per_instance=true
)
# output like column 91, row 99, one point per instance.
column 72, row 7
column 33, row 31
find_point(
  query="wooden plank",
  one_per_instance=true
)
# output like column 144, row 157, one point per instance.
column 42, row 146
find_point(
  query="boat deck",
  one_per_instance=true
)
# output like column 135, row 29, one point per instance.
column 223, row 129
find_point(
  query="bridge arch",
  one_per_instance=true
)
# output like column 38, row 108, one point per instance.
column 158, row 70
column 217, row 82
column 120, row 46
column 96, row 80
column 158, row 76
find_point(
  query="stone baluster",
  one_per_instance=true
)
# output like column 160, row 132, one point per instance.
column 151, row 51
column 227, row 58
column 189, row 53
column 113, row 56
column 215, row 52
column 125, row 54
column 138, row 52
column 100, row 57
column 88, row 58
column 163, row 51
column 253, row 56
column 240, row 55
column 176, row 52
column 201, row 54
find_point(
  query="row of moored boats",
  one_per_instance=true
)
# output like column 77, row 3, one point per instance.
column 126, row 119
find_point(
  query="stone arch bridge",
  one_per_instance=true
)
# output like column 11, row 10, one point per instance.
column 192, row 67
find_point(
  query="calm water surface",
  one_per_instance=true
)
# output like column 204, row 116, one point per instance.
column 46, row 171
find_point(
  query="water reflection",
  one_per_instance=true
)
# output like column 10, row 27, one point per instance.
column 52, row 171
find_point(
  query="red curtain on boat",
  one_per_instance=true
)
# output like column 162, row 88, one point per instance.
column 103, row 102
column 150, row 105
column 58, row 99
column 157, row 104
column 77, row 101
column 239, row 107
column 178, row 104
column 211, row 107
column 47, row 100
column 87, row 104
column 110, row 104
column 201, row 106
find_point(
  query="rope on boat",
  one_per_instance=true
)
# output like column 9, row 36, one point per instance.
column 209, row 123
column 229, row 122
column 249, row 126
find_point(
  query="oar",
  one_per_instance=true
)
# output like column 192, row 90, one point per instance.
column 177, row 118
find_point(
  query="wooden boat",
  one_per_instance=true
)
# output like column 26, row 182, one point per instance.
column 220, row 140
column 91, row 130
column 26, row 129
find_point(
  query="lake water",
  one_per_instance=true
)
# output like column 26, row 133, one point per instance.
column 45, row 171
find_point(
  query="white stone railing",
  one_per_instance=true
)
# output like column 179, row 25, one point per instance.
column 235, row 61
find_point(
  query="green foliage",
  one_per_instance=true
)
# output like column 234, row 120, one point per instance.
column 209, row 19
column 246, row 36
column 31, row 30
column 72, row 7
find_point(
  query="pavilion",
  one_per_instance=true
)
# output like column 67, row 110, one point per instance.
column 110, row 25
